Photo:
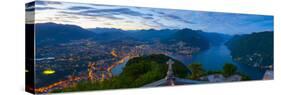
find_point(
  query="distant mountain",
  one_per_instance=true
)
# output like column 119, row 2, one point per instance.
column 109, row 34
column 152, row 34
column 99, row 30
column 255, row 49
column 192, row 38
column 50, row 33
column 216, row 38
column 112, row 34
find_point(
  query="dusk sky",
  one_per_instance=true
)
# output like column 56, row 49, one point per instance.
column 134, row 18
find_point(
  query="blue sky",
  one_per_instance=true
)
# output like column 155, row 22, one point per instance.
column 135, row 18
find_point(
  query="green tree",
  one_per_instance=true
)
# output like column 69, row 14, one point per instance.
column 196, row 70
column 229, row 69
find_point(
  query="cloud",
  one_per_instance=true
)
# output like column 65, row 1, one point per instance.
column 108, row 13
column 112, row 17
column 175, row 15
column 39, row 8
column 45, row 8
column 148, row 17
column 159, row 25
column 180, row 19
column 80, row 8
column 123, row 11
column 47, row 3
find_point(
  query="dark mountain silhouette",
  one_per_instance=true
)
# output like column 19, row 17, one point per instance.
column 254, row 49
column 99, row 30
column 192, row 38
column 109, row 34
column 152, row 34
column 51, row 33
column 215, row 38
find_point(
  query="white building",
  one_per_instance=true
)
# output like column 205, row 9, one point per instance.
column 268, row 75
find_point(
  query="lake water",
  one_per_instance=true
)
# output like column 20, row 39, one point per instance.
column 212, row 59
column 215, row 57
column 119, row 68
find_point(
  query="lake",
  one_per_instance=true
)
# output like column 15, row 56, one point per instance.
column 212, row 59
column 215, row 57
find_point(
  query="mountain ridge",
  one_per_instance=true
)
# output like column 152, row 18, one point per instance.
column 60, row 33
